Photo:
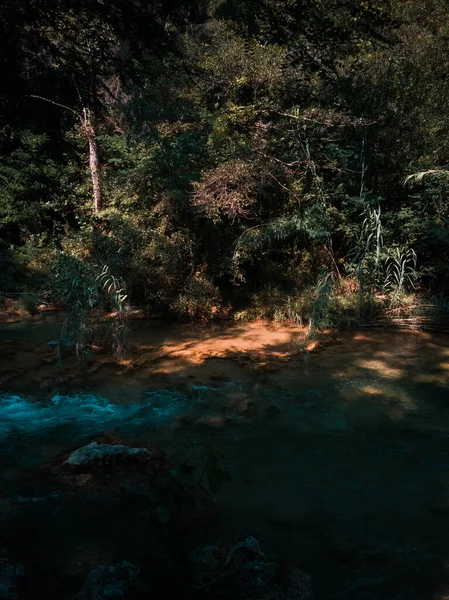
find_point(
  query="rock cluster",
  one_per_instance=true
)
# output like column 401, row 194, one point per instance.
column 10, row 574
column 108, row 582
column 243, row 572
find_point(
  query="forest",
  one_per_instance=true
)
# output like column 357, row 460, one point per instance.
column 224, row 299
column 226, row 159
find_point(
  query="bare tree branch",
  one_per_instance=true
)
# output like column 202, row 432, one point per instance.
column 94, row 161
column 57, row 104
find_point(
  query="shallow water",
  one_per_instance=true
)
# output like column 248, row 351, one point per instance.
column 340, row 465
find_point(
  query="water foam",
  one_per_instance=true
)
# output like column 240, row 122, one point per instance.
column 88, row 413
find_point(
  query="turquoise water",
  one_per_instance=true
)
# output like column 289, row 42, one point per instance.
column 346, row 476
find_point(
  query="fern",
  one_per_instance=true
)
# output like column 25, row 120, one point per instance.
column 418, row 177
column 85, row 295
column 291, row 309
column 319, row 314
column 401, row 270
column 370, row 238
column 277, row 230
column 115, row 288
column 264, row 237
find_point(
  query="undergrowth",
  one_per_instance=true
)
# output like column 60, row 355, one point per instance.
column 339, row 305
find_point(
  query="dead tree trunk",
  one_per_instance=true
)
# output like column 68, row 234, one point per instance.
column 94, row 161
column 87, row 126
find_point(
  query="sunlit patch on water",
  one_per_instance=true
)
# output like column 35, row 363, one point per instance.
column 382, row 368
column 377, row 397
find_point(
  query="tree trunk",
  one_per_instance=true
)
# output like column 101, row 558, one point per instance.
column 94, row 162
column 95, row 172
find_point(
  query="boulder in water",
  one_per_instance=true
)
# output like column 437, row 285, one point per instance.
column 98, row 454
column 109, row 582
column 113, row 468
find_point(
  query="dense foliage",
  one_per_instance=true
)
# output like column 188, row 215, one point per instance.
column 246, row 153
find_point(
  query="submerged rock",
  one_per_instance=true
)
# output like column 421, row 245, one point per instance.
column 300, row 586
column 10, row 574
column 109, row 582
column 97, row 454
column 243, row 572
column 245, row 551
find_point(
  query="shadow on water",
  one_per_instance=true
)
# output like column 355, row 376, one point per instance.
column 339, row 464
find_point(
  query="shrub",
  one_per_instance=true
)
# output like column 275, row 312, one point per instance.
column 199, row 298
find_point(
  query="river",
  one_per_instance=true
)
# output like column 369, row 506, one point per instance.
column 337, row 459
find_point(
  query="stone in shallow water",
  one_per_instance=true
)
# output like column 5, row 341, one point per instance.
column 301, row 586
column 108, row 582
column 243, row 572
column 10, row 573
column 97, row 454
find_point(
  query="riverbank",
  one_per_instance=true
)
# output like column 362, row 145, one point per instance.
column 157, row 350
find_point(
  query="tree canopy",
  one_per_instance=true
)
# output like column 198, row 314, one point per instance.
column 218, row 154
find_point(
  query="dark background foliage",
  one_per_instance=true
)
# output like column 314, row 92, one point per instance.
column 242, row 144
